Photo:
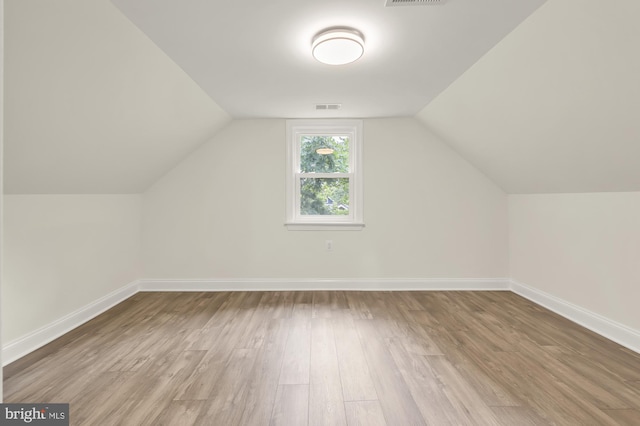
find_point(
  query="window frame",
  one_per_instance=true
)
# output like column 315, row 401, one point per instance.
column 338, row 127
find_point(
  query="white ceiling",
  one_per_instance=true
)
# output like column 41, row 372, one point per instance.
column 253, row 57
column 555, row 106
column 91, row 105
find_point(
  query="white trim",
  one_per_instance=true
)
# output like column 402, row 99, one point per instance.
column 300, row 127
column 612, row 330
column 40, row 337
column 337, row 226
column 1, row 174
column 605, row 327
column 355, row 284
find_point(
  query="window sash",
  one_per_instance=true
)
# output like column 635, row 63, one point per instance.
column 299, row 217
column 298, row 142
column 298, row 146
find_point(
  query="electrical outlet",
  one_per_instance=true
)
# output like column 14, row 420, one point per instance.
column 329, row 245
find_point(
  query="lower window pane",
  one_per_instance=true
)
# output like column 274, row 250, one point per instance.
column 324, row 196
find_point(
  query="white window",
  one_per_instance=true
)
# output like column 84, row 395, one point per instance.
column 324, row 174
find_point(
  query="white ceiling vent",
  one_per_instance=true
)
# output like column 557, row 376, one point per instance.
column 323, row 107
column 392, row 3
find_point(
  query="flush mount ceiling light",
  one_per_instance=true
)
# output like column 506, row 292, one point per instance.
column 337, row 46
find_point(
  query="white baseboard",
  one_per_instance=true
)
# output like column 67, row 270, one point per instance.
column 614, row 331
column 605, row 327
column 40, row 337
column 355, row 284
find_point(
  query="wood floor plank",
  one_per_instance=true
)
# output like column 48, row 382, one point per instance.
column 406, row 300
column 263, row 380
column 326, row 404
column 427, row 390
column 326, row 303
column 470, row 352
column 338, row 300
column 395, row 398
column 617, row 365
column 202, row 382
column 291, row 406
column 201, row 307
column 514, row 311
column 272, row 304
column 179, row 413
column 467, row 403
column 520, row 416
column 228, row 399
column 635, row 384
column 334, row 357
column 584, row 368
column 365, row 413
column 383, row 306
column 321, row 304
column 171, row 371
column 126, row 385
column 629, row 417
column 357, row 305
column 251, row 300
column 476, row 363
column 413, row 337
column 355, row 376
column 587, row 388
column 440, row 305
column 549, row 397
column 82, row 408
column 284, row 307
column 297, row 355
column 494, row 333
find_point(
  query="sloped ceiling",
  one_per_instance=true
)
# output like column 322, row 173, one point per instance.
column 555, row 106
column 254, row 59
column 94, row 106
column 91, row 104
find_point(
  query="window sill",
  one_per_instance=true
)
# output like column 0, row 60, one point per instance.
column 324, row 226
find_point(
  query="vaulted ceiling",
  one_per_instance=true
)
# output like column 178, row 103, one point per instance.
column 555, row 106
column 541, row 96
column 91, row 104
column 253, row 57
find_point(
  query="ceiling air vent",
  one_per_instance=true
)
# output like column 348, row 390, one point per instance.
column 392, row 3
column 324, row 107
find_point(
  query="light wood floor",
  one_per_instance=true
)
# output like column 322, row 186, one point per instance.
column 332, row 358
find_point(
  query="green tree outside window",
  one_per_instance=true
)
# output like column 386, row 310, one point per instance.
column 324, row 195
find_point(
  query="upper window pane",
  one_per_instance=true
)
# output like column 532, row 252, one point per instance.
column 324, row 154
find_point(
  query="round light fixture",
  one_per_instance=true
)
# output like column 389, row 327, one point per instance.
column 337, row 46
